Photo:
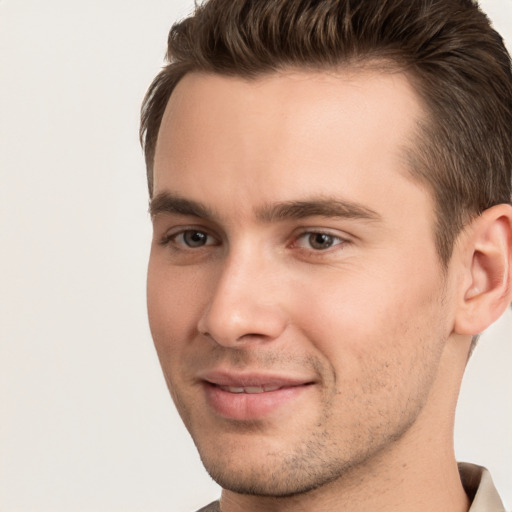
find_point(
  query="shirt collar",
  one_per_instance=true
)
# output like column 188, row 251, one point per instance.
column 480, row 489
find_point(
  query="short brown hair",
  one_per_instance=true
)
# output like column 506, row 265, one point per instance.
column 454, row 58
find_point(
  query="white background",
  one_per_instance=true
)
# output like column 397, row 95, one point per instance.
column 86, row 423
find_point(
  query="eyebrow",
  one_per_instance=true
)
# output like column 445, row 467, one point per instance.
column 166, row 202
column 317, row 207
column 324, row 206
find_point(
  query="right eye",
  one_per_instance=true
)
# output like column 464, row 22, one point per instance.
column 194, row 238
column 190, row 238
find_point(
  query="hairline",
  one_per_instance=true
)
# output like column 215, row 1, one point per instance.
column 372, row 62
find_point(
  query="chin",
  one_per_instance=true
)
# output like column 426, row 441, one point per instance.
column 267, row 473
column 274, row 484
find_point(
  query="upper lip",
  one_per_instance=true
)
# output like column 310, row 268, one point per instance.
column 253, row 379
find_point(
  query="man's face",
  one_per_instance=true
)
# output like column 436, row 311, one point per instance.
column 295, row 296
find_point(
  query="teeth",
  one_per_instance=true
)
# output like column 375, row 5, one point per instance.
column 232, row 389
column 253, row 389
column 249, row 389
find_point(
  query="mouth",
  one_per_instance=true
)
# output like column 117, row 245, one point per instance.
column 252, row 397
column 250, row 390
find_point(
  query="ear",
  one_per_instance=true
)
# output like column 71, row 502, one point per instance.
column 486, row 287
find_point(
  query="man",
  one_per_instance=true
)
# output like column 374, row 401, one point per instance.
column 330, row 189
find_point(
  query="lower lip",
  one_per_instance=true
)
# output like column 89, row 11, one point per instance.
column 250, row 406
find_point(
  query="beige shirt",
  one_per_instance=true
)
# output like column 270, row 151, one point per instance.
column 477, row 483
column 479, row 487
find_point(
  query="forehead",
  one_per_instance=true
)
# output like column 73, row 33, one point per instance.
column 288, row 134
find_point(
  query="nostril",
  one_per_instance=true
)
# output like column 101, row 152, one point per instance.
column 232, row 320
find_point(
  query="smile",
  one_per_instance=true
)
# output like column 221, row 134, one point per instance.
column 249, row 389
column 249, row 397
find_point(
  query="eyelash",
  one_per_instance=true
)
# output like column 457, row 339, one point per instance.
column 334, row 240
column 168, row 238
column 171, row 240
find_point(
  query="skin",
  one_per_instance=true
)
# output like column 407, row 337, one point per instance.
column 366, row 322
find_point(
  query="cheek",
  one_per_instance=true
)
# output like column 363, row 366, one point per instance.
column 172, row 308
column 384, row 346
column 360, row 316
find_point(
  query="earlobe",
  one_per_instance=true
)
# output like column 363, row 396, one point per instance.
column 487, row 285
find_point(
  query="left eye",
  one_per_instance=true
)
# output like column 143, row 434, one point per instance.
column 194, row 238
column 318, row 241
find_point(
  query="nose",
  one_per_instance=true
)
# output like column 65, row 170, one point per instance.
column 246, row 304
